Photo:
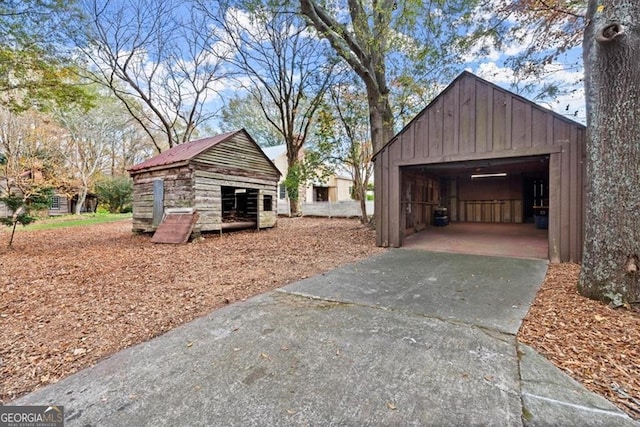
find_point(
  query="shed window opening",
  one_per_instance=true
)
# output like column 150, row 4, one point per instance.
column 55, row 202
column 540, row 191
column 267, row 203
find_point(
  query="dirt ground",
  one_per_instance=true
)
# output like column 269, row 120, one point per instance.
column 69, row 297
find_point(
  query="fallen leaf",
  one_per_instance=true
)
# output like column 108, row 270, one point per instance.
column 391, row 406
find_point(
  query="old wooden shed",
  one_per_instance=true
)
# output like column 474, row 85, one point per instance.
column 226, row 179
column 486, row 155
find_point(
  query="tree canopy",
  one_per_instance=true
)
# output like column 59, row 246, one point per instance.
column 389, row 44
column 35, row 59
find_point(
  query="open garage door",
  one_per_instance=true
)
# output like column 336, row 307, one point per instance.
column 513, row 191
column 508, row 190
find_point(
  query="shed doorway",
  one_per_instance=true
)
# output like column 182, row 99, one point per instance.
column 239, row 208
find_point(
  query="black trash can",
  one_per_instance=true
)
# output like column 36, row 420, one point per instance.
column 541, row 217
column 440, row 217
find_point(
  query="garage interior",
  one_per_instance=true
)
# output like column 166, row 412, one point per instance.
column 493, row 207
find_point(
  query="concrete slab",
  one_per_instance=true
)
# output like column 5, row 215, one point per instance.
column 288, row 360
column 495, row 239
column 549, row 396
column 486, row 291
column 404, row 338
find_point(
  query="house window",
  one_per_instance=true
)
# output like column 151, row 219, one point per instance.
column 267, row 203
column 55, row 202
column 283, row 191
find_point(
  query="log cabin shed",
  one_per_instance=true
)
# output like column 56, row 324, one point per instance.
column 486, row 155
column 226, row 179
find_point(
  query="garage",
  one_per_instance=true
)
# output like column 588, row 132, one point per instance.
column 483, row 157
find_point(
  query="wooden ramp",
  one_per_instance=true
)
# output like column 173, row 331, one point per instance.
column 176, row 227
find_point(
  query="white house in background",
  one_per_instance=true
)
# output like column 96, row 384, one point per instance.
column 335, row 188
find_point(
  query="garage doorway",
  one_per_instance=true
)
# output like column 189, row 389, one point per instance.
column 493, row 206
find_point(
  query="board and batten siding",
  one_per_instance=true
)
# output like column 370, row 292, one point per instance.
column 473, row 119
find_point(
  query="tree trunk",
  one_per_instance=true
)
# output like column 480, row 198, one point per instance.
column 360, row 192
column 364, row 217
column 611, row 260
column 380, row 118
column 293, row 177
column 13, row 233
column 82, row 196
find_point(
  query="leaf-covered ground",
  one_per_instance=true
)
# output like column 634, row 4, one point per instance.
column 69, row 297
column 595, row 344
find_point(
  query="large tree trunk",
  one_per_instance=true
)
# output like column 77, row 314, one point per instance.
column 611, row 261
column 82, row 196
column 293, row 178
column 380, row 118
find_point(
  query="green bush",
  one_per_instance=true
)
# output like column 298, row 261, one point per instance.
column 101, row 210
column 116, row 193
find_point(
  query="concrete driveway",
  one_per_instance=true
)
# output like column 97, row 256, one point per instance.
column 403, row 338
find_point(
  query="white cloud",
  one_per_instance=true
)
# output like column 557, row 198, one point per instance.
column 569, row 102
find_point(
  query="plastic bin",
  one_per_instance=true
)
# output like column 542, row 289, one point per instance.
column 541, row 218
column 440, row 217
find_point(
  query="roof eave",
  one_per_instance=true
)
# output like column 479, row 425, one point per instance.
column 159, row 167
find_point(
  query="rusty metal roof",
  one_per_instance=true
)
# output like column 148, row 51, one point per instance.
column 182, row 152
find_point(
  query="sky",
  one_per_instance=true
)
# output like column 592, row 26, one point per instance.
column 491, row 64
column 566, row 71
column 570, row 104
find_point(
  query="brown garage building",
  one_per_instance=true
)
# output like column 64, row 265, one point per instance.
column 486, row 155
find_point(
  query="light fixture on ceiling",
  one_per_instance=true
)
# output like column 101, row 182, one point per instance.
column 488, row 175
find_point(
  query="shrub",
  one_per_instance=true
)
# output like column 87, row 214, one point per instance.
column 115, row 192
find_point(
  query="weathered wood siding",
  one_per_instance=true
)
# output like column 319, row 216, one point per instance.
column 267, row 218
column 241, row 157
column 178, row 193
column 474, row 120
column 236, row 162
column 419, row 199
column 208, row 195
column 490, row 200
